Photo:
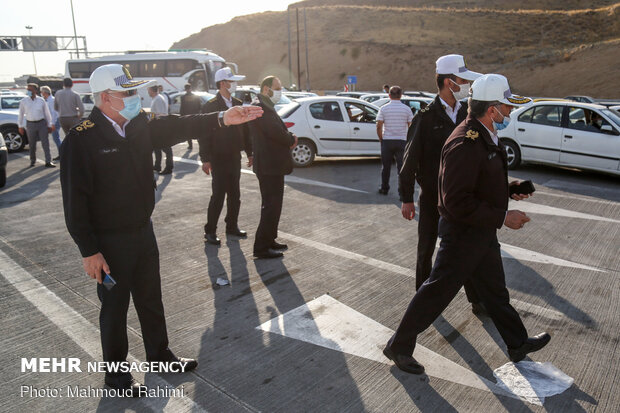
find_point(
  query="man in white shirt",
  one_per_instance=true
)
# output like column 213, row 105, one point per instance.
column 35, row 118
column 393, row 122
column 159, row 108
column 46, row 93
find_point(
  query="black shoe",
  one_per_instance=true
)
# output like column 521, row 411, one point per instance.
column 129, row 384
column 403, row 362
column 531, row 344
column 279, row 247
column 32, row 163
column 383, row 191
column 166, row 171
column 479, row 309
column 50, row 165
column 56, row 158
column 268, row 254
column 212, row 239
column 238, row 232
column 157, row 168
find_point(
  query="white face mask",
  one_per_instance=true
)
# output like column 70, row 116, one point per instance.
column 463, row 93
column 232, row 88
column 277, row 95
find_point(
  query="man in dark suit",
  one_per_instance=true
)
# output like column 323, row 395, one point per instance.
column 272, row 143
column 190, row 105
column 221, row 157
column 429, row 130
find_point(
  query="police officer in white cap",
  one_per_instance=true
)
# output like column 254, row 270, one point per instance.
column 429, row 130
column 107, row 189
column 473, row 204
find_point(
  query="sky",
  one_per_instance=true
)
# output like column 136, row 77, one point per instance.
column 112, row 25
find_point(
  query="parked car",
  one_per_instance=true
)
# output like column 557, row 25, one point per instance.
column 10, row 102
column 582, row 99
column 372, row 97
column 3, row 161
column 175, row 100
column 331, row 126
column 9, row 128
column 89, row 103
column 419, row 94
column 352, row 94
column 414, row 104
column 297, row 95
column 564, row 133
column 248, row 93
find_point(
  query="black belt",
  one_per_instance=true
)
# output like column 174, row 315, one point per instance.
column 35, row 121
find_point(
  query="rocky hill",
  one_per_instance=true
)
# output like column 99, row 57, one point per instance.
column 545, row 48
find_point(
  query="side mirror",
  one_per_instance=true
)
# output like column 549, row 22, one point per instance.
column 607, row 128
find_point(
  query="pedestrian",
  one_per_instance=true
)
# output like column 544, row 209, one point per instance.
column 430, row 128
column 220, row 153
column 386, row 88
column 190, row 105
column 69, row 106
column 108, row 198
column 473, row 204
column 272, row 144
column 159, row 108
column 393, row 121
column 35, row 117
column 46, row 93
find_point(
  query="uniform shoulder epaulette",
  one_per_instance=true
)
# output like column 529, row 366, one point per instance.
column 212, row 100
column 87, row 124
column 472, row 134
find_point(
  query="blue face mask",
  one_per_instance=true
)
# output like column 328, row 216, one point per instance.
column 500, row 126
column 29, row 93
column 133, row 104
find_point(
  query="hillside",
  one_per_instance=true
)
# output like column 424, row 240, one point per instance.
column 546, row 52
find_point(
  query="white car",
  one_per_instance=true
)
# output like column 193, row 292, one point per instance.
column 88, row 102
column 10, row 102
column 9, row 128
column 373, row 97
column 413, row 103
column 564, row 133
column 331, row 126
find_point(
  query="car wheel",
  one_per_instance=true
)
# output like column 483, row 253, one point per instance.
column 513, row 154
column 14, row 141
column 303, row 154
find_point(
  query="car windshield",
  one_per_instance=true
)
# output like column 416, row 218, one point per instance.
column 286, row 110
column 11, row 102
column 614, row 115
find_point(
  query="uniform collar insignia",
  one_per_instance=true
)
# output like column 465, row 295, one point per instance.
column 84, row 125
column 472, row 134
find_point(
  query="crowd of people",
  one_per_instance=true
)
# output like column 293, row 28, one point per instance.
column 449, row 148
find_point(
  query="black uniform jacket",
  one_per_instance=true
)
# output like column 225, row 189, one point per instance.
column 224, row 144
column 271, row 141
column 473, row 177
column 427, row 134
column 107, row 180
column 190, row 104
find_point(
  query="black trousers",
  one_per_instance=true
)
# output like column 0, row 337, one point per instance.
column 133, row 259
column 391, row 149
column 428, row 222
column 272, row 194
column 465, row 253
column 224, row 183
column 169, row 160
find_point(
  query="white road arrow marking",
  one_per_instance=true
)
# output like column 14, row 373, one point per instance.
column 328, row 323
column 530, row 207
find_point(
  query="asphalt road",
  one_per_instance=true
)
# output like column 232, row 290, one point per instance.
column 304, row 333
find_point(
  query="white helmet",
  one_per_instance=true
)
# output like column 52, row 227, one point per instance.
column 492, row 87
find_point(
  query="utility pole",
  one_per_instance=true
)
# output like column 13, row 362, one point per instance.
column 290, row 63
column 298, row 53
column 307, row 64
column 33, row 59
column 77, row 50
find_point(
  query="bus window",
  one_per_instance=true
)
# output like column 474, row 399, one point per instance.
column 177, row 68
column 152, row 68
column 79, row 70
column 131, row 66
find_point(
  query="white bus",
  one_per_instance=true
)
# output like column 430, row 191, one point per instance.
column 171, row 69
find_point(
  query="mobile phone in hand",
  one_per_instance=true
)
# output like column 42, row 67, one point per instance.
column 524, row 188
column 108, row 282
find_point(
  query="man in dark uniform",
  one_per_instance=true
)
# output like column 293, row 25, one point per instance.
column 428, row 132
column 190, row 105
column 272, row 144
column 108, row 196
column 473, row 203
column 220, row 153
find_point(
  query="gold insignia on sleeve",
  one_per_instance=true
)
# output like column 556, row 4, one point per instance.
column 471, row 134
column 84, row 125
